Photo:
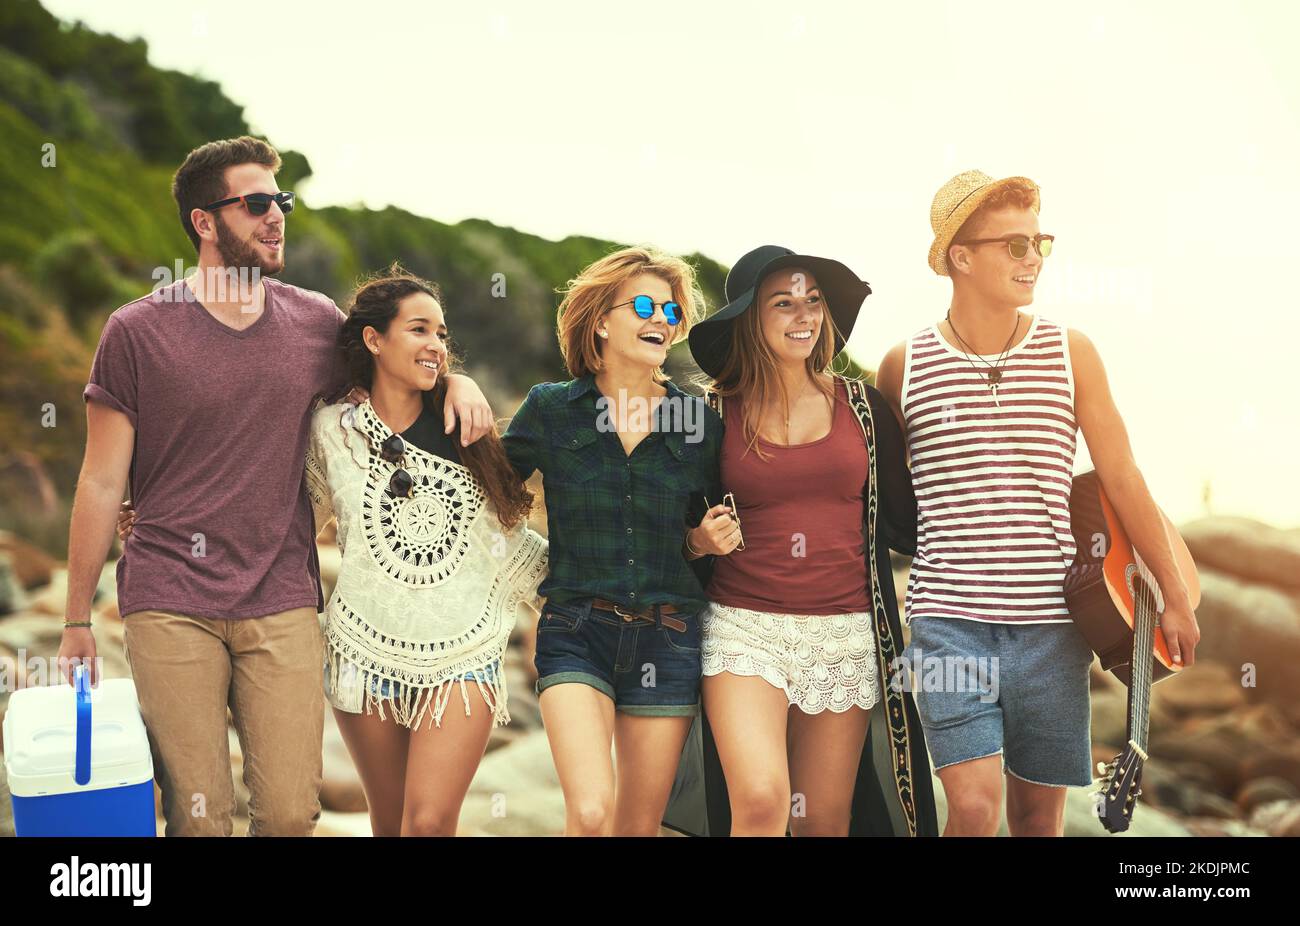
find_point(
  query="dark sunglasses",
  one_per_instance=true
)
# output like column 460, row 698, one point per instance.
column 644, row 307
column 393, row 450
column 1018, row 245
column 256, row 203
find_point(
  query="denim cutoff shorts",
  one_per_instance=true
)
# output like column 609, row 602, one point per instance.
column 1017, row 689
column 384, row 688
column 644, row 669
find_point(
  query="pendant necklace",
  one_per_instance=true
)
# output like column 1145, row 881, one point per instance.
column 994, row 374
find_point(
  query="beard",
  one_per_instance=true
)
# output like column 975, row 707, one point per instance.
column 242, row 254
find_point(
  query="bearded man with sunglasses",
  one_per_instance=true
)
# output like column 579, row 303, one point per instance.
column 202, row 394
column 991, row 400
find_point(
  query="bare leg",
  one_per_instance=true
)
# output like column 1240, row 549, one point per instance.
column 379, row 751
column 1034, row 810
column 648, row 751
column 579, row 724
column 748, row 717
column 825, row 750
column 974, row 792
column 441, row 764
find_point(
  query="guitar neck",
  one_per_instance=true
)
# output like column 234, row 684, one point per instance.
column 1144, row 638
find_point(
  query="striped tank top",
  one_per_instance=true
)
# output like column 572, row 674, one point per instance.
column 992, row 479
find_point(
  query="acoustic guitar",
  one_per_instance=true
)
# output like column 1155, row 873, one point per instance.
column 1116, row 604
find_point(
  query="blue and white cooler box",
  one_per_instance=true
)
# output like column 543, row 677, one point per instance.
column 78, row 760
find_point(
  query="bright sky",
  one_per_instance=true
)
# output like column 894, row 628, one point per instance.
column 1165, row 137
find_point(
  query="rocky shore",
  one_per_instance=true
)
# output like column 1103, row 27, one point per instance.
column 1225, row 733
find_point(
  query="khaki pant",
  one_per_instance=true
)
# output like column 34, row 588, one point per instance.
column 267, row 671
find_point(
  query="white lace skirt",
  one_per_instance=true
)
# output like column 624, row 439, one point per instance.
column 821, row 661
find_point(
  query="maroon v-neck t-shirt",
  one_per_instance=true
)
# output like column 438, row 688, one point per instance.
column 223, row 523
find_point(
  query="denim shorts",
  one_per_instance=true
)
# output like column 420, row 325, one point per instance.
column 644, row 669
column 985, row 688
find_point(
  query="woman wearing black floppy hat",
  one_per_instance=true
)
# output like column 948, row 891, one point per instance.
column 802, row 633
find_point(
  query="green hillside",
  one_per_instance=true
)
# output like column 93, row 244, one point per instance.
column 90, row 134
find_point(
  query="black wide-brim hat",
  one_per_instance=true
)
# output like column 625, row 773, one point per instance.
column 844, row 293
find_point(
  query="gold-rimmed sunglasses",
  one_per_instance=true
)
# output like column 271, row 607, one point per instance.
column 730, row 501
column 1017, row 245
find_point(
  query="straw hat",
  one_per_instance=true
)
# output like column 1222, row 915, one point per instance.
column 954, row 204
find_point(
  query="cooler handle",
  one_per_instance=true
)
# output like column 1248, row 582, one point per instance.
column 82, row 680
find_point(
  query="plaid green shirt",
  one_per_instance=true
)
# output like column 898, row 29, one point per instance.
column 616, row 522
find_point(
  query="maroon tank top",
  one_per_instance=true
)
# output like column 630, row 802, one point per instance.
column 801, row 516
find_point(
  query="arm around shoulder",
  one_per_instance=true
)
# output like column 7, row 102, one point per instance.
column 525, row 436
column 317, row 465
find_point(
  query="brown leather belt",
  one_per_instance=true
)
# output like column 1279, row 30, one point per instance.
column 647, row 614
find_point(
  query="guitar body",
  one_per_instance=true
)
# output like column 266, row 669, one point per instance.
column 1106, row 578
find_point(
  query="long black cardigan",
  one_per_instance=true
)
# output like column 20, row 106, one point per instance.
column 893, row 795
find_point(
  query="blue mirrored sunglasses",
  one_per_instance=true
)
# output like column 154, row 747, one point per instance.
column 644, row 307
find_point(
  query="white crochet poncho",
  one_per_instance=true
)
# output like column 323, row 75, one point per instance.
column 429, row 587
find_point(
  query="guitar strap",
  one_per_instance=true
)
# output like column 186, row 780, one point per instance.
column 887, row 647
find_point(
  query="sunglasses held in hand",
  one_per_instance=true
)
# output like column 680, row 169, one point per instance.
column 730, row 501
column 257, row 203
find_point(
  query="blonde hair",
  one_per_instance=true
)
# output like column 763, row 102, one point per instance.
column 751, row 370
column 591, row 294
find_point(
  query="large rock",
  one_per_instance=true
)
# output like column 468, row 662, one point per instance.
column 521, row 678
column 1261, row 791
column 1280, row 818
column 12, row 595
column 52, row 598
column 237, row 779
column 38, row 634
column 1246, row 549
column 32, row 565
column 1110, row 717
column 105, row 599
column 333, row 823
column 1244, row 626
column 1218, row 826
column 1218, row 744
column 341, row 789
column 1202, row 688
column 1282, row 762
column 516, row 792
column 1175, row 787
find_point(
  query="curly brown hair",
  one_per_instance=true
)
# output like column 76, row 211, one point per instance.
column 375, row 304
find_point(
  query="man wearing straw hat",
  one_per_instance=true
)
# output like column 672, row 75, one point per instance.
column 991, row 399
